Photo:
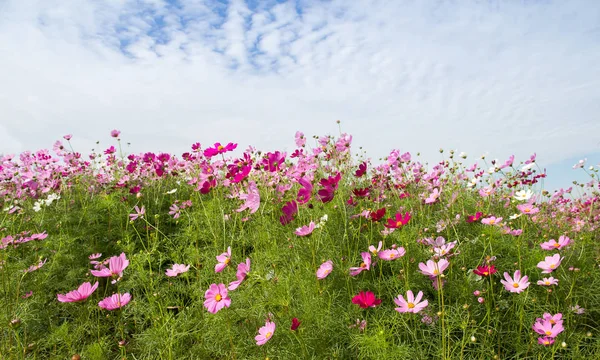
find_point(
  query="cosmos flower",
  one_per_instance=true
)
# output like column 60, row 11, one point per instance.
column 82, row 293
column 411, row 304
column 116, row 301
column 516, row 284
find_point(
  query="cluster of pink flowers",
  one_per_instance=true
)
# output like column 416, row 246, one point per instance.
column 549, row 326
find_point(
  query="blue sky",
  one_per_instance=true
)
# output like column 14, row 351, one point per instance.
column 484, row 77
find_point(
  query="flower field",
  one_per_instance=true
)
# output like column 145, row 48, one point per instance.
column 313, row 254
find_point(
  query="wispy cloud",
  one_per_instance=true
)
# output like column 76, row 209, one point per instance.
column 415, row 75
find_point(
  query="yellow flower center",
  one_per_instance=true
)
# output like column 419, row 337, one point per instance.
column 436, row 272
column 220, row 147
column 218, row 297
column 227, row 261
column 548, row 332
column 398, row 223
column 363, row 265
column 492, row 221
column 546, row 342
column 552, row 266
column 515, row 285
column 269, row 334
column 556, row 245
column 411, row 305
column 392, row 255
column 485, row 273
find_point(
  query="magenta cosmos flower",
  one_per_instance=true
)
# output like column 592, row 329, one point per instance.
column 553, row 244
column 397, row 221
column 219, row 149
column 224, row 259
column 305, row 230
column 216, row 298
column 516, row 283
column 242, row 271
column 411, row 304
column 365, row 265
column 115, row 301
column 115, row 133
column 265, row 333
column 366, row 300
column 432, row 268
column 177, row 269
column 550, row 263
column 325, row 269
column 82, row 293
column 116, row 265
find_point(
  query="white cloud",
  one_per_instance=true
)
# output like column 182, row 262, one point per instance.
column 417, row 76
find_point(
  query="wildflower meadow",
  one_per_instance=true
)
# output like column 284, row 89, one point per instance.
column 319, row 253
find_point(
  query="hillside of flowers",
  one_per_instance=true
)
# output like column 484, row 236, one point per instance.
column 319, row 253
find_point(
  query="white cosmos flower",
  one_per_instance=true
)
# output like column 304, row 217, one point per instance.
column 171, row 192
column 528, row 166
column 523, row 195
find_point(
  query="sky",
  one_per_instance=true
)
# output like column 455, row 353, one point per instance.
column 483, row 77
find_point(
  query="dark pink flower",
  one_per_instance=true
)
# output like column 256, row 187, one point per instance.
column 219, row 149
column 366, row 300
column 115, row 133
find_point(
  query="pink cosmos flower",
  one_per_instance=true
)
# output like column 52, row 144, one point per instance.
column 411, row 304
column 431, row 268
column 82, row 293
column 549, row 325
column 252, row 198
column 138, row 213
column 242, row 271
column 35, row 267
column 216, row 298
column 553, row 244
column 366, row 300
column 305, row 230
column 516, row 284
column 365, row 265
column 224, row 259
column 27, row 295
column 528, row 209
column 265, row 333
column 325, row 269
column 95, row 256
column 550, row 263
column 548, row 281
column 115, row 133
column 433, row 196
column 391, row 254
column 116, row 265
column 374, row 250
column 115, row 301
column 300, row 139
column 67, row 137
column 546, row 341
column 177, row 269
column 492, row 220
